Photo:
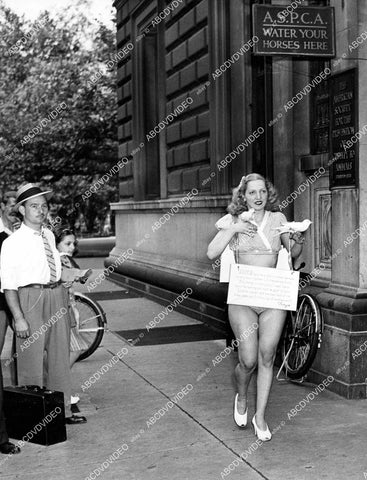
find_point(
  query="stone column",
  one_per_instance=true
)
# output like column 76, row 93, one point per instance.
column 344, row 302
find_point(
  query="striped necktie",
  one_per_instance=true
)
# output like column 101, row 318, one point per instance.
column 50, row 258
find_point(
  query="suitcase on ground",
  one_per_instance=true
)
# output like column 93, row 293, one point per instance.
column 35, row 414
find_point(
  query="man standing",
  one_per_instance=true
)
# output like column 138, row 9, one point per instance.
column 7, row 222
column 30, row 277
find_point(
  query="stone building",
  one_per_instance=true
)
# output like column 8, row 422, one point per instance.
column 197, row 110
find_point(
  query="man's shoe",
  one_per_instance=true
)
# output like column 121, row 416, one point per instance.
column 9, row 447
column 75, row 419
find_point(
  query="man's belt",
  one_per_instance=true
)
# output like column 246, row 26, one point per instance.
column 42, row 285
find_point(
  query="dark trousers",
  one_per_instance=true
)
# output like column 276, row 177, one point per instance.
column 3, row 326
column 3, row 435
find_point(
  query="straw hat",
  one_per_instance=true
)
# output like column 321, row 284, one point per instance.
column 28, row 191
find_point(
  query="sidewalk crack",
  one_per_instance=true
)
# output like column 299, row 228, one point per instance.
column 193, row 418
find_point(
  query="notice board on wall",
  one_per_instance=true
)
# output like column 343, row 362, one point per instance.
column 343, row 129
column 302, row 31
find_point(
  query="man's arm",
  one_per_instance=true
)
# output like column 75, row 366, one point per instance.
column 21, row 325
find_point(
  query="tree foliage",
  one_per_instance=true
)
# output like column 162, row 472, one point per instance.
column 56, row 88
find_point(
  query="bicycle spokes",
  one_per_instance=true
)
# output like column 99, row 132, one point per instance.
column 302, row 337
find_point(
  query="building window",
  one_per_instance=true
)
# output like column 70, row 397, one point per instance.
column 319, row 102
column 149, row 89
column 147, row 96
column 319, row 111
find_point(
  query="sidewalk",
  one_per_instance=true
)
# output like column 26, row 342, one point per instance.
column 135, row 431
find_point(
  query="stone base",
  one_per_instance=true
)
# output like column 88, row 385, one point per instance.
column 343, row 351
column 207, row 299
column 352, row 392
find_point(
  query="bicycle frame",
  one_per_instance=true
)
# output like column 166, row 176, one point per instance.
column 301, row 337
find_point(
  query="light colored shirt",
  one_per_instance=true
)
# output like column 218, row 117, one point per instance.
column 245, row 244
column 23, row 259
column 3, row 228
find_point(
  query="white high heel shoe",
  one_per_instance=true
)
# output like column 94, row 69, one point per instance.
column 263, row 435
column 240, row 420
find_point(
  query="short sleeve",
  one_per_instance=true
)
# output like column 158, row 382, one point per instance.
column 278, row 219
column 224, row 222
column 282, row 218
column 8, row 267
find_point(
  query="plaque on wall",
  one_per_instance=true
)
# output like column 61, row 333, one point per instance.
column 285, row 30
column 344, row 127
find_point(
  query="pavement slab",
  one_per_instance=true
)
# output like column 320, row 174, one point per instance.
column 134, row 403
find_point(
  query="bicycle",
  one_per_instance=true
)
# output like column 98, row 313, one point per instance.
column 301, row 337
column 92, row 323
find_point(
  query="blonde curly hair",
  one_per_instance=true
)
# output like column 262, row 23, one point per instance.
column 239, row 205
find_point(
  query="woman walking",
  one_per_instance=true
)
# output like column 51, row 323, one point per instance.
column 256, row 243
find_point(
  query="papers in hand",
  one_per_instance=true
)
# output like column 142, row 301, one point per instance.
column 263, row 287
column 75, row 275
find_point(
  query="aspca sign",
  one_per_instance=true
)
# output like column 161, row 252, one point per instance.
column 294, row 30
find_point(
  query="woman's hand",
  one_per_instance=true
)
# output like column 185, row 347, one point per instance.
column 225, row 235
column 297, row 237
column 245, row 228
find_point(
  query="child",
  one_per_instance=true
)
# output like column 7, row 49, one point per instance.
column 66, row 245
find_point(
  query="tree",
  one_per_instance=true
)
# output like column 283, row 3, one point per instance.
column 58, row 106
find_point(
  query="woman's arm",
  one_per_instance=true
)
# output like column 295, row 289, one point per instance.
column 224, row 236
column 297, row 241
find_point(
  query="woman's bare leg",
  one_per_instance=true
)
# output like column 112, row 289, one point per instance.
column 244, row 323
column 271, row 324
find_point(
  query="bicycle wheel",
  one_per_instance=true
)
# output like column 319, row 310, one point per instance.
column 92, row 320
column 301, row 337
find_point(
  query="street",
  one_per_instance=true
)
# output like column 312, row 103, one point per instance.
column 165, row 412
